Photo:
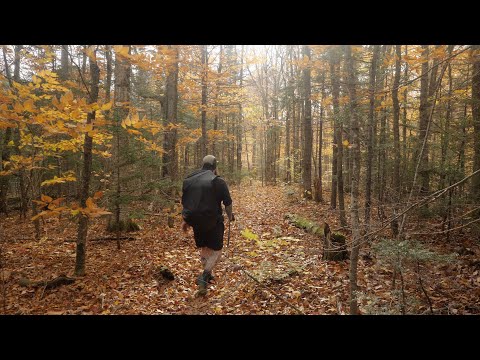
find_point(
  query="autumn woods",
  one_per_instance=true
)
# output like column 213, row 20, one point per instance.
column 379, row 144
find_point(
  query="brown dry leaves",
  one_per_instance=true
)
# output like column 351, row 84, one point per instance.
column 284, row 258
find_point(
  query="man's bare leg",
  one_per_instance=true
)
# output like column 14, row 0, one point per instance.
column 209, row 259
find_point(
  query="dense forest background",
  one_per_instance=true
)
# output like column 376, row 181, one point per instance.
column 372, row 152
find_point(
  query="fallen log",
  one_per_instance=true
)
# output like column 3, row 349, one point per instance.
column 105, row 238
column 47, row 284
column 113, row 238
column 334, row 247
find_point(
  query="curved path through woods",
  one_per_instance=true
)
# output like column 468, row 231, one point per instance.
column 283, row 257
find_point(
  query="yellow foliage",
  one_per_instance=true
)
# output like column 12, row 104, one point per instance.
column 29, row 106
column 18, row 107
column 133, row 131
column 59, row 180
column 121, row 50
column 107, row 106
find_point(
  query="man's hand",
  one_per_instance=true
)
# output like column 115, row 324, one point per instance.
column 185, row 227
column 228, row 210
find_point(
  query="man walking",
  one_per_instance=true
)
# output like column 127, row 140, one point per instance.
column 203, row 192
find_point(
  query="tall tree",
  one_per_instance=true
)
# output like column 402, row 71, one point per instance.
column 355, row 136
column 445, row 138
column 169, row 160
column 120, row 112
column 371, row 121
column 476, row 120
column 422, row 148
column 307, row 126
column 108, row 78
column 293, row 121
column 382, row 139
column 5, row 180
column 64, row 68
column 12, row 135
column 203, row 139
column 87, row 172
column 17, row 140
column 318, row 187
column 288, row 120
column 396, row 124
column 217, row 91
column 240, row 121
column 334, row 70
column 404, row 124
column 296, row 125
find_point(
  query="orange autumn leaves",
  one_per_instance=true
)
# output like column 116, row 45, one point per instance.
column 52, row 208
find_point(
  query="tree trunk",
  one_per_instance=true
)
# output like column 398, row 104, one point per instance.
column 120, row 112
column 476, row 120
column 108, row 79
column 288, row 120
column 86, row 175
column 404, row 125
column 5, row 180
column 254, row 167
column 382, row 142
column 217, row 90
column 334, row 64
column 333, row 194
column 371, row 121
column 355, row 136
column 307, row 127
column 169, row 158
column 203, row 139
column 423, row 124
column 396, row 125
column 65, row 68
column 15, row 134
column 292, row 141
column 319, row 190
column 240, row 124
column 84, row 60
column 446, row 132
column 296, row 121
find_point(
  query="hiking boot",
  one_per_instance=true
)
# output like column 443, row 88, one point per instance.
column 210, row 278
column 205, row 278
column 202, row 282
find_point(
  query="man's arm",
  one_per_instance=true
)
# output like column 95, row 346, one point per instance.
column 229, row 211
column 225, row 198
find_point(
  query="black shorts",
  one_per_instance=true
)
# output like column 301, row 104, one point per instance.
column 212, row 239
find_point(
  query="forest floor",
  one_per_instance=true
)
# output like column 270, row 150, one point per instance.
column 286, row 260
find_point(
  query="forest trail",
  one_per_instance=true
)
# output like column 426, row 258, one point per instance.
column 123, row 282
column 97, row 134
column 284, row 258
